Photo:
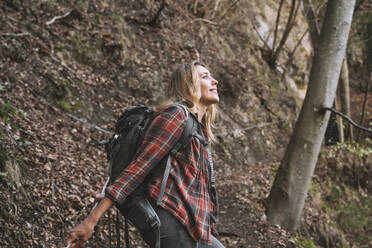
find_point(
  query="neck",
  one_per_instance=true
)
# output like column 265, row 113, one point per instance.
column 201, row 110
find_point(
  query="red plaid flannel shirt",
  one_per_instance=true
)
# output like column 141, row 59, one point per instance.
column 187, row 195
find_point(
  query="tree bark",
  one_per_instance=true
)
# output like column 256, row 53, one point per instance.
column 340, row 123
column 345, row 97
column 287, row 196
column 364, row 106
column 312, row 20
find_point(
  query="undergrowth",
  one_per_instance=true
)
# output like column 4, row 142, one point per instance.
column 349, row 209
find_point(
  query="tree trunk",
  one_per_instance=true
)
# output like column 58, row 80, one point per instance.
column 340, row 123
column 314, row 29
column 287, row 196
column 364, row 107
column 345, row 97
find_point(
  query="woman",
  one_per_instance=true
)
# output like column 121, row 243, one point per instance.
column 188, row 209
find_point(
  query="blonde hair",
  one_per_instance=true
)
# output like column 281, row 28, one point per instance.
column 185, row 87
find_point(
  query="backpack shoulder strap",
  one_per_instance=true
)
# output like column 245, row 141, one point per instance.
column 187, row 133
column 183, row 141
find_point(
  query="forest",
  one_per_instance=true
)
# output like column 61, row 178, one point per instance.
column 293, row 150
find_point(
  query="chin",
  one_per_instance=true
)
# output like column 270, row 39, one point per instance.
column 210, row 100
column 216, row 99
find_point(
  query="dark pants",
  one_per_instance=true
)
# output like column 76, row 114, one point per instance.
column 174, row 234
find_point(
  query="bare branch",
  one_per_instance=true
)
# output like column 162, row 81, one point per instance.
column 54, row 58
column 195, row 9
column 57, row 18
column 259, row 36
column 15, row 35
column 215, row 8
column 239, row 130
column 288, row 28
column 348, row 119
column 361, row 41
column 312, row 21
column 88, row 124
column 204, row 20
column 277, row 23
column 290, row 56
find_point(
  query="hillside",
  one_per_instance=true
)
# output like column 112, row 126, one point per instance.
column 69, row 68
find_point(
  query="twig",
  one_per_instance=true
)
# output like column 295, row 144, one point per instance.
column 55, row 59
column 204, row 20
column 320, row 7
column 348, row 119
column 195, row 7
column 277, row 22
column 361, row 41
column 260, row 36
column 287, row 29
column 215, row 8
column 52, row 54
column 311, row 17
column 89, row 124
column 246, row 128
column 290, row 55
column 57, row 18
column 15, row 35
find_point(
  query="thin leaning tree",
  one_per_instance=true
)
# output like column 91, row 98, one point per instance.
column 288, row 193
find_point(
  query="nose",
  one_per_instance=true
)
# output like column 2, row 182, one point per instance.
column 214, row 81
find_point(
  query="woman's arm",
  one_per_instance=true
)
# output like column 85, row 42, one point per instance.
column 82, row 232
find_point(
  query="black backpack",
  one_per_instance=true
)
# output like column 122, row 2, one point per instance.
column 121, row 149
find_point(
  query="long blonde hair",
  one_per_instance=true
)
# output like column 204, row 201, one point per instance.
column 185, row 87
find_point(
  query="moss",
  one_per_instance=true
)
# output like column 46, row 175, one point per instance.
column 65, row 105
column 355, row 217
column 6, row 110
column 304, row 243
column 335, row 194
column 350, row 211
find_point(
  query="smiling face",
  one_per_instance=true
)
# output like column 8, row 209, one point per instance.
column 208, row 87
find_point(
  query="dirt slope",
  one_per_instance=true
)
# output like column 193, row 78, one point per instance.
column 69, row 68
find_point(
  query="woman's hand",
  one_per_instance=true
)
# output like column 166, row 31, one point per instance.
column 80, row 234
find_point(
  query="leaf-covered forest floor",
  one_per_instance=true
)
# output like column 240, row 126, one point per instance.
column 62, row 168
column 51, row 165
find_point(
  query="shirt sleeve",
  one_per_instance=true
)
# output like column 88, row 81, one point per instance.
column 162, row 134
